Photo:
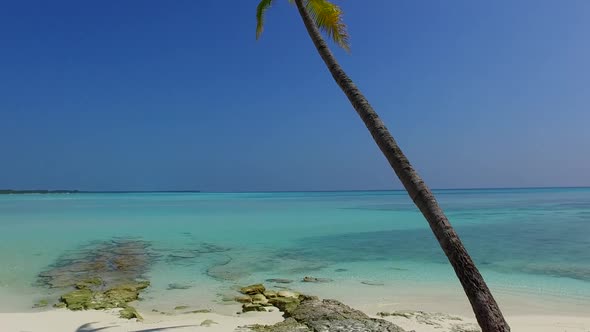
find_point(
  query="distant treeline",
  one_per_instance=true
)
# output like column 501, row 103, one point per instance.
column 10, row 191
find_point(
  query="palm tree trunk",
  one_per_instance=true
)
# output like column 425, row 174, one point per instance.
column 484, row 306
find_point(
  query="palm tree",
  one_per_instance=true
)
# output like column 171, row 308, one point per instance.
column 323, row 15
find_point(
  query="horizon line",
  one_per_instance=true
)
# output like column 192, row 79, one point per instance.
column 75, row 191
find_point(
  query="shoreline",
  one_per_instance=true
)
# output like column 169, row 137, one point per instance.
column 430, row 309
column 63, row 320
column 370, row 298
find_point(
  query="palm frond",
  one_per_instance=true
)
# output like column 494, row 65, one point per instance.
column 260, row 10
column 328, row 17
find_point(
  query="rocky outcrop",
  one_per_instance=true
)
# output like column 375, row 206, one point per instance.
column 129, row 313
column 280, row 281
column 288, row 325
column 91, row 298
column 253, row 289
column 101, row 275
column 285, row 304
column 313, row 279
column 243, row 299
column 331, row 315
column 175, row 285
column 309, row 314
column 258, row 298
column 41, row 304
column 99, row 264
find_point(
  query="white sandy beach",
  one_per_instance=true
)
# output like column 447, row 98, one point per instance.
column 418, row 308
column 61, row 320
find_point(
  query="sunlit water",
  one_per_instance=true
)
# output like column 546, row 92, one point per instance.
column 525, row 241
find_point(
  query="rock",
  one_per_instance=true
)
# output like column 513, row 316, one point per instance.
column 78, row 299
column 372, row 283
column 199, row 311
column 340, row 270
column 91, row 265
column 88, row 283
column 243, row 299
column 252, row 307
column 208, row 322
column 312, row 279
column 270, row 294
column 253, row 289
column 395, row 313
column 178, row 286
column 263, row 303
column 139, row 285
column 116, row 297
column 129, row 313
column 285, row 304
column 59, row 305
column 259, row 298
column 122, row 294
column 332, row 315
column 280, row 281
column 41, row 304
column 304, row 297
column 181, row 307
column 288, row 325
column 286, row 293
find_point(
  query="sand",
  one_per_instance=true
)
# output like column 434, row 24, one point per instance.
column 61, row 320
column 416, row 308
column 517, row 324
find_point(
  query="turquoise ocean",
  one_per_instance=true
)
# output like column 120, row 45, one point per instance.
column 526, row 242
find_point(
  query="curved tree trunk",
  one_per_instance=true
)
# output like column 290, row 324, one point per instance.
column 484, row 306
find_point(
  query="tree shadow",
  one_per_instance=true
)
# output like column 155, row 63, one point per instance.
column 164, row 328
column 88, row 328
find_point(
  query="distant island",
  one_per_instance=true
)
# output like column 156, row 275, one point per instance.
column 10, row 191
column 44, row 191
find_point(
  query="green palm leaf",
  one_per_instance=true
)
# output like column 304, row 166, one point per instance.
column 260, row 10
column 328, row 17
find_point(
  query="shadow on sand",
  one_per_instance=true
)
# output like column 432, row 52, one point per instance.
column 88, row 328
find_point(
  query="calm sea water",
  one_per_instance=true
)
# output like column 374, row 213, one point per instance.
column 532, row 241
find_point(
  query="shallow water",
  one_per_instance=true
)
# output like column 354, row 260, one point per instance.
column 525, row 241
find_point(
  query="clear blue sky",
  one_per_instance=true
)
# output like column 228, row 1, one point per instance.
column 143, row 95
